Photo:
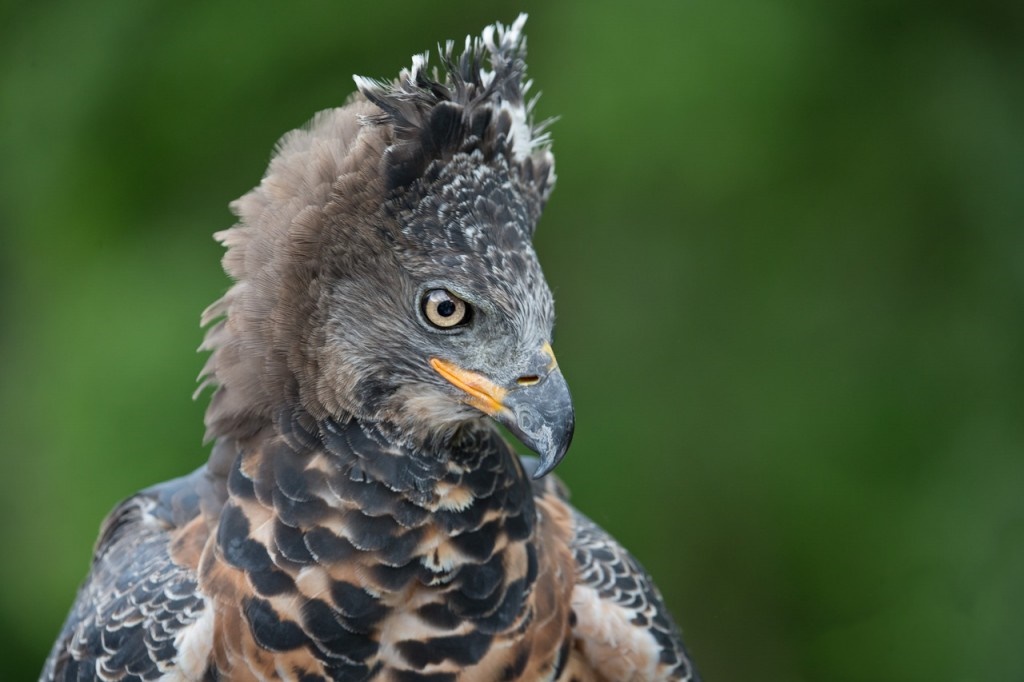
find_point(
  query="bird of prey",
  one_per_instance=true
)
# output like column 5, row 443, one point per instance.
column 360, row 516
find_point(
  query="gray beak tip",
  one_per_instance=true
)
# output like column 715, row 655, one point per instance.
column 542, row 417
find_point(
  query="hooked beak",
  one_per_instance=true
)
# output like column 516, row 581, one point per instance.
column 536, row 407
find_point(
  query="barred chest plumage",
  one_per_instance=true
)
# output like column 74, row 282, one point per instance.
column 339, row 555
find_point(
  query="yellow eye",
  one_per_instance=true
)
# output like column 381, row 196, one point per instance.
column 445, row 310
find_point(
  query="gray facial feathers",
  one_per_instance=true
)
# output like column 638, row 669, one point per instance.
column 436, row 178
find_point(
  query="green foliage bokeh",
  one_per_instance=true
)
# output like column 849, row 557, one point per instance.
column 787, row 248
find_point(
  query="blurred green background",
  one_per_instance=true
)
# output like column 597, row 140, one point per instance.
column 787, row 246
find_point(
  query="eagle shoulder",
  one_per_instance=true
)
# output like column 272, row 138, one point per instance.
column 138, row 608
column 622, row 630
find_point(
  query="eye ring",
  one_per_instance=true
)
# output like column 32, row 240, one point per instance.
column 445, row 310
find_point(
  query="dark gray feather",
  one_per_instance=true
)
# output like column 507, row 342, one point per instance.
column 135, row 599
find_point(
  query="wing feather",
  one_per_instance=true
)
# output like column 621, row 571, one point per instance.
column 135, row 602
column 622, row 625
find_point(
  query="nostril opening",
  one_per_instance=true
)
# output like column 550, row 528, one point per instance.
column 528, row 380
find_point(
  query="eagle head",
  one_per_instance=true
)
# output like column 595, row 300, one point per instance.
column 384, row 269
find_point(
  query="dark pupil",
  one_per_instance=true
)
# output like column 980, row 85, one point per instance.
column 446, row 308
